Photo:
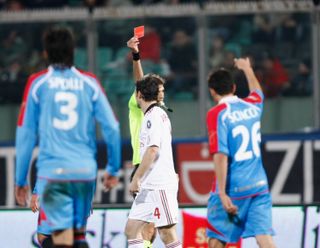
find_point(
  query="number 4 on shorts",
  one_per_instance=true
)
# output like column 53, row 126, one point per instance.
column 156, row 213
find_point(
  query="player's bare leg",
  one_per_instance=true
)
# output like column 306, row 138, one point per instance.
column 44, row 240
column 149, row 234
column 41, row 237
column 169, row 237
column 265, row 241
column 215, row 243
column 133, row 232
column 64, row 237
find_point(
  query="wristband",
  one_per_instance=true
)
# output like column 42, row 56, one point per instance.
column 135, row 56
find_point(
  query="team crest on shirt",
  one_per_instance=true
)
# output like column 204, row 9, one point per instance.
column 148, row 124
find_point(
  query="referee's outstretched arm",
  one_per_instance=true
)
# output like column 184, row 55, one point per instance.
column 137, row 68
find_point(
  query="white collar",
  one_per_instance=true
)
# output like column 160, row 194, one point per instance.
column 227, row 99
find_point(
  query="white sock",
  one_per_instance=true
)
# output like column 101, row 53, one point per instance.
column 135, row 243
column 175, row 244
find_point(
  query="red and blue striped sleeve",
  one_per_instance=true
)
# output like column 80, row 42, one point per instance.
column 217, row 130
column 255, row 97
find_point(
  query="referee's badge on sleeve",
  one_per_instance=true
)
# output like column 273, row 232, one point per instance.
column 148, row 124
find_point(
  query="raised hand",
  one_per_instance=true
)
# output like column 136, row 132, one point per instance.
column 242, row 63
column 133, row 44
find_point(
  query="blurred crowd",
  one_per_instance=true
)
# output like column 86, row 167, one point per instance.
column 16, row 5
column 279, row 46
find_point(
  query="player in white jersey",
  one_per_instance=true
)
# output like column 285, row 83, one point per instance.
column 155, row 181
column 156, row 129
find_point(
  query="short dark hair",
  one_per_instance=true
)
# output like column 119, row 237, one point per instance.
column 148, row 86
column 221, row 81
column 58, row 42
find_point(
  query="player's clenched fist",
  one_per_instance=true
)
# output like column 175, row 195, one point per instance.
column 109, row 181
column 34, row 204
column 242, row 63
column 21, row 193
column 228, row 205
column 134, row 187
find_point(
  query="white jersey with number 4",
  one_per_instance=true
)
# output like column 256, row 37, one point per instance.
column 156, row 131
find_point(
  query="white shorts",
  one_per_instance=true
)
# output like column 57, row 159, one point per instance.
column 157, row 206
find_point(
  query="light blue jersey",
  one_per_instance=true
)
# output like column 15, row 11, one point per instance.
column 59, row 110
column 234, row 130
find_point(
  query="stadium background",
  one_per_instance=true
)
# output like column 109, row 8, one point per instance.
column 188, row 39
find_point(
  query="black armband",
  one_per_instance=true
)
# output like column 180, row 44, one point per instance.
column 135, row 56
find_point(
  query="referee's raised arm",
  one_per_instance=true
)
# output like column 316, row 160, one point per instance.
column 137, row 68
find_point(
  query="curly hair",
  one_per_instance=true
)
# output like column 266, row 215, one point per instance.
column 148, row 86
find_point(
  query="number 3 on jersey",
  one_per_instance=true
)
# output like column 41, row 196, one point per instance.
column 69, row 103
column 243, row 152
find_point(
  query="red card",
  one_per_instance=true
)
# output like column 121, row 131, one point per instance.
column 138, row 32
